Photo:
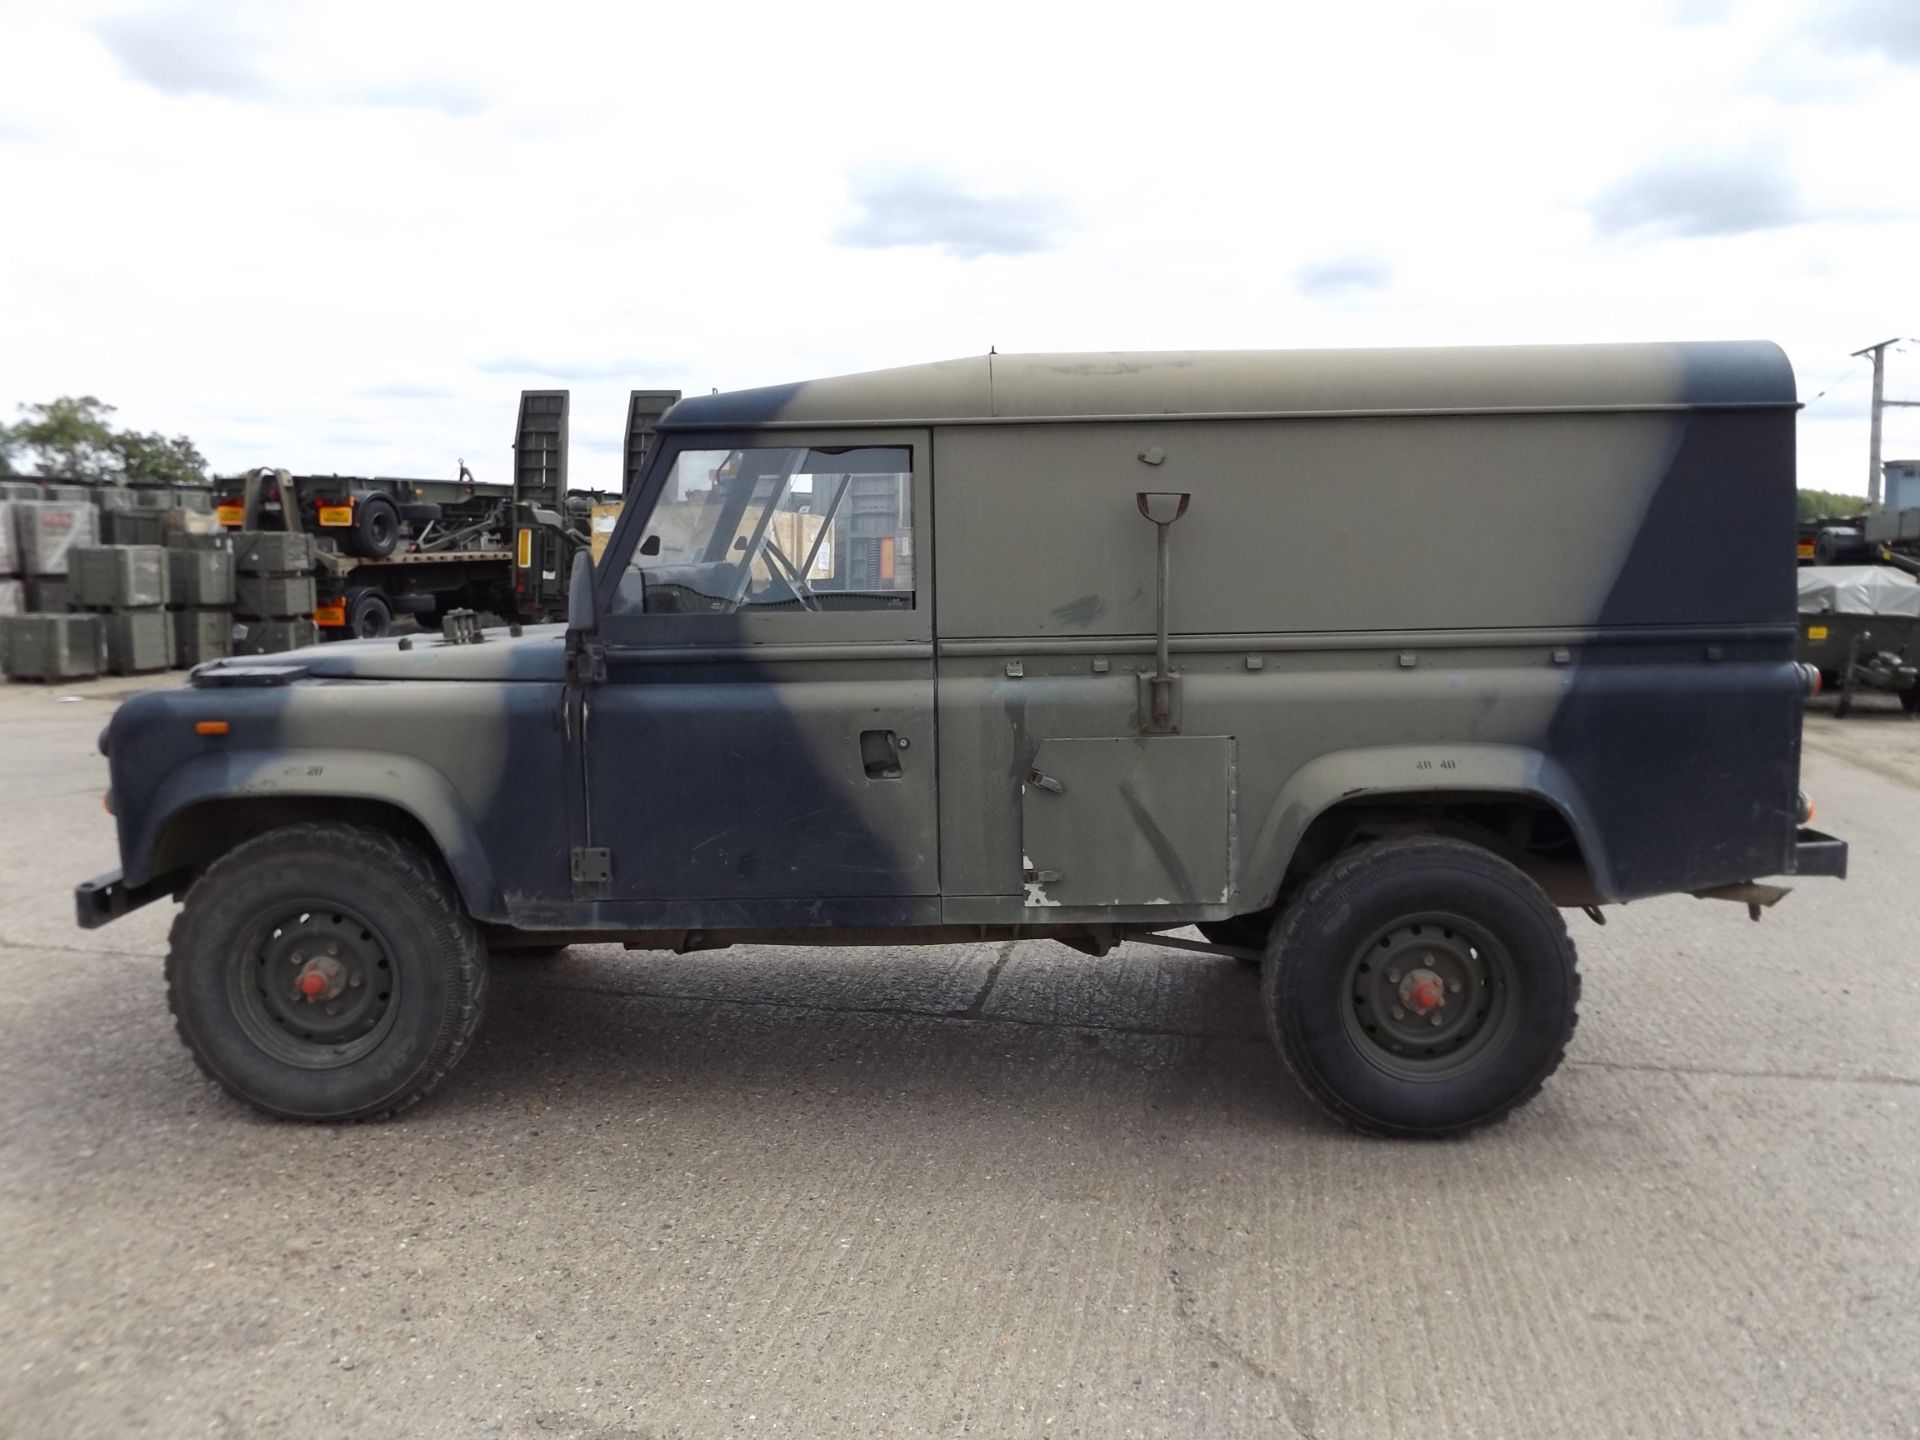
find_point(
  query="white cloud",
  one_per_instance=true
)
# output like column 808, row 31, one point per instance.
column 908, row 207
column 1701, row 195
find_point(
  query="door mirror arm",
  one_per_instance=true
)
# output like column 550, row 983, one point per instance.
column 586, row 657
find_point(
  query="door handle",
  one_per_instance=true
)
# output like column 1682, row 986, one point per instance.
column 880, row 754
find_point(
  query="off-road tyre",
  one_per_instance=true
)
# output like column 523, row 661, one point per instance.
column 380, row 899
column 376, row 528
column 1440, row 903
column 420, row 514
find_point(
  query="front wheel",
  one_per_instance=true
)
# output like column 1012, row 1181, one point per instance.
column 1421, row 987
column 325, row 972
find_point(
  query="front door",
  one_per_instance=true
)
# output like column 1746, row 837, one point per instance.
column 761, row 750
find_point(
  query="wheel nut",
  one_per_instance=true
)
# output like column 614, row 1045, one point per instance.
column 353, row 980
column 333, row 947
column 1393, row 977
column 1398, row 1013
column 1436, row 1019
column 1454, row 986
column 335, row 1010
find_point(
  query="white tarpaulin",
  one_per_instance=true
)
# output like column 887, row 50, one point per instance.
column 1858, row 590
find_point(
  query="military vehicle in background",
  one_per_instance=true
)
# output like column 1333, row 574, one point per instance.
column 1886, row 534
column 1859, row 601
column 389, row 547
column 1090, row 648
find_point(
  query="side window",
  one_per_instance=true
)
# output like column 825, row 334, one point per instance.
column 777, row 529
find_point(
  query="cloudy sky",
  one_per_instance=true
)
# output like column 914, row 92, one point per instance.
column 342, row 236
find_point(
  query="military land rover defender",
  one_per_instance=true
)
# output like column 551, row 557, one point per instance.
column 1367, row 664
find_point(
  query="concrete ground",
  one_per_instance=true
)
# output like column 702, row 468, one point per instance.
column 991, row 1191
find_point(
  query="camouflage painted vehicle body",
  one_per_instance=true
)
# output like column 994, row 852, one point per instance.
column 1452, row 593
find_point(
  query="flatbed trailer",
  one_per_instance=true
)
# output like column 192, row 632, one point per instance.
column 387, row 547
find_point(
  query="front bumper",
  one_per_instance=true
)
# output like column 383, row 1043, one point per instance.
column 108, row 897
column 1815, row 853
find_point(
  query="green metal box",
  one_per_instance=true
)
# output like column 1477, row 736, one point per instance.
column 52, row 647
column 201, row 634
column 273, row 596
column 137, row 641
column 272, row 553
column 270, row 637
column 48, row 531
column 199, row 577
column 102, row 577
column 47, row 594
column 134, row 527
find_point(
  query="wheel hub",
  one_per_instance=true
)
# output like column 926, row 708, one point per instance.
column 1425, row 995
column 1422, row 990
column 316, row 986
column 323, row 979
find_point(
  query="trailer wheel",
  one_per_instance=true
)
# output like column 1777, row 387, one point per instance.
column 376, row 527
column 421, row 514
column 369, row 616
column 325, row 972
column 1421, row 987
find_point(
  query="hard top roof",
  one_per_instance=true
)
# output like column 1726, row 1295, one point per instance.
column 1146, row 384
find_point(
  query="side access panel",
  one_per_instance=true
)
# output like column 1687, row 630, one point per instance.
column 1129, row 820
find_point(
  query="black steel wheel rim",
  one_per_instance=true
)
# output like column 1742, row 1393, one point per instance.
column 314, row 984
column 382, row 526
column 1428, row 996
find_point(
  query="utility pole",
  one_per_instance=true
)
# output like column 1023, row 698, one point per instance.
column 1880, row 402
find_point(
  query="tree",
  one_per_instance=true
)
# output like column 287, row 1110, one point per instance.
column 72, row 437
column 1827, row 504
column 155, row 460
column 68, row 437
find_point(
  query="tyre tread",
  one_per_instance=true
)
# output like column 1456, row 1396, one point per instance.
column 467, row 998
column 1358, row 862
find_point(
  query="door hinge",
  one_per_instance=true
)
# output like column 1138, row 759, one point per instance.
column 593, row 866
column 586, row 661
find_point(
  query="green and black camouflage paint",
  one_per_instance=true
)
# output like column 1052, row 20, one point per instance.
column 1560, row 572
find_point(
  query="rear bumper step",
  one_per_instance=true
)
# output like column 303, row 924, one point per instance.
column 1815, row 853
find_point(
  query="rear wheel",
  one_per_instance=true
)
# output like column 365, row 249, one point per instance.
column 325, row 972
column 369, row 615
column 1421, row 987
